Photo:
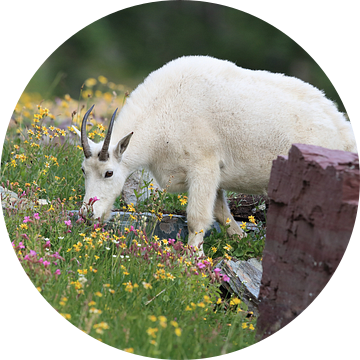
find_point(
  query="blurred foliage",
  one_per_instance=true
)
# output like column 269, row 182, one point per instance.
column 127, row 45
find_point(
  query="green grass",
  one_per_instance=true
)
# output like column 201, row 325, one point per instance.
column 154, row 297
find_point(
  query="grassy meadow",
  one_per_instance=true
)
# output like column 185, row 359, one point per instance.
column 121, row 285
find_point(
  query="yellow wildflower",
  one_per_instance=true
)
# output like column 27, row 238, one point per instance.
column 102, row 79
column 100, row 127
column 152, row 318
column 152, row 331
column 90, row 82
column 66, row 316
column 146, row 285
column 228, row 247
column 252, row 219
column 235, row 301
column 207, row 298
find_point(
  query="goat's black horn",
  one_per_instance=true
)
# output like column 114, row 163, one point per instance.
column 84, row 140
column 104, row 155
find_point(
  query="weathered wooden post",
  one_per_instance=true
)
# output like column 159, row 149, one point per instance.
column 314, row 195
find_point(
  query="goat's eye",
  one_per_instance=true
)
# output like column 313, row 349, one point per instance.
column 108, row 174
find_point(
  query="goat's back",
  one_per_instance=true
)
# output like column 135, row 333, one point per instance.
column 200, row 105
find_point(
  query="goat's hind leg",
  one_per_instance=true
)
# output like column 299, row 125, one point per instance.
column 222, row 213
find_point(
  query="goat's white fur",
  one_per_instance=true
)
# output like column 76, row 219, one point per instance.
column 212, row 126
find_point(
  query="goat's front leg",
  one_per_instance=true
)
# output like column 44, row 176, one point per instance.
column 202, row 194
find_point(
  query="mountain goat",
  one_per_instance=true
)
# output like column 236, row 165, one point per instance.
column 210, row 126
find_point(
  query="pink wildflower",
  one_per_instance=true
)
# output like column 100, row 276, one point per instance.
column 217, row 270
column 30, row 256
column 46, row 263
column 36, row 216
column 57, row 256
column 226, row 278
column 171, row 241
column 57, row 272
column 200, row 265
column 93, row 200
column 67, row 222
column 26, row 219
column 20, row 246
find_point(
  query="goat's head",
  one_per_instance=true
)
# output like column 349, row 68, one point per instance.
column 103, row 170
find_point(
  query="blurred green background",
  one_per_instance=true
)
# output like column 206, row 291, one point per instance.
column 127, row 45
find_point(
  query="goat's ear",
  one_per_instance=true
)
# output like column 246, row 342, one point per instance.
column 122, row 145
column 79, row 133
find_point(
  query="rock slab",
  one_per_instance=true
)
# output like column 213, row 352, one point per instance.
column 314, row 195
column 245, row 279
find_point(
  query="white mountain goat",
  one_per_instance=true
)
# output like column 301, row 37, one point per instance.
column 210, row 126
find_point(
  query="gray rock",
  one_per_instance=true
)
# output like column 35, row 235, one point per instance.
column 10, row 200
column 245, row 280
column 135, row 182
